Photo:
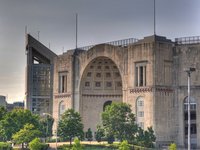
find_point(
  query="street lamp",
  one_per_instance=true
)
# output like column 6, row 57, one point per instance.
column 189, row 71
column 56, row 128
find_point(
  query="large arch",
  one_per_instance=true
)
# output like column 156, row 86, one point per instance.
column 101, row 81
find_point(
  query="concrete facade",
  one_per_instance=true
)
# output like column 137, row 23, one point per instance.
column 148, row 74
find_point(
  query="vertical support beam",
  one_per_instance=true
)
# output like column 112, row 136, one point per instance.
column 189, row 141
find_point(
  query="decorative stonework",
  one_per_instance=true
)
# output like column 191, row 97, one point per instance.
column 141, row 90
column 166, row 90
column 62, row 95
column 102, row 95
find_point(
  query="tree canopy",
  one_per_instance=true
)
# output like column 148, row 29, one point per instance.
column 15, row 120
column 70, row 125
column 27, row 134
column 46, row 124
column 118, row 120
column 3, row 112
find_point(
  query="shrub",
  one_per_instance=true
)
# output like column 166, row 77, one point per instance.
column 36, row 144
column 172, row 146
column 77, row 145
column 5, row 146
column 124, row 146
column 110, row 139
column 88, row 135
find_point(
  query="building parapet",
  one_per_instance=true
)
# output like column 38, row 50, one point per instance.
column 122, row 43
column 187, row 40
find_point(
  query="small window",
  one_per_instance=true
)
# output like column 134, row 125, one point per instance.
column 87, row 84
column 141, row 125
column 140, row 103
column 98, row 75
column 89, row 74
column 98, row 67
column 117, row 74
column 119, row 84
column 98, row 84
column 62, row 84
column 107, row 67
column 91, row 67
column 140, row 74
column 114, row 67
column 108, row 75
column 141, row 114
column 108, row 84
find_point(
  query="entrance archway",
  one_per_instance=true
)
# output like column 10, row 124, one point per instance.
column 101, row 80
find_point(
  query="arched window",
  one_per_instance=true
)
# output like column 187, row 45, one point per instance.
column 61, row 108
column 193, row 126
column 140, row 111
column 106, row 104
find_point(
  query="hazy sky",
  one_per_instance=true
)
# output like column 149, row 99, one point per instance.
column 99, row 21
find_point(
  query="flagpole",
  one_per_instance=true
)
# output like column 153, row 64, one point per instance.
column 154, row 17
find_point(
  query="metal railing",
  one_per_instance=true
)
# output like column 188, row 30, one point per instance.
column 187, row 40
column 122, row 43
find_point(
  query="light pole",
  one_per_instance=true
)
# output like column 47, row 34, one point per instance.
column 189, row 71
column 56, row 127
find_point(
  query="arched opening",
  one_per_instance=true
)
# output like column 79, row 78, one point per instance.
column 140, row 112
column 101, row 80
column 193, row 125
column 107, row 103
column 61, row 109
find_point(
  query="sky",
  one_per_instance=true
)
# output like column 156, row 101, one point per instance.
column 99, row 21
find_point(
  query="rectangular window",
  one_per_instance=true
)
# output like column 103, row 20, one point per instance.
column 140, row 103
column 141, row 114
column 98, row 75
column 87, row 84
column 62, row 84
column 89, row 74
column 108, row 75
column 140, row 74
column 98, row 67
column 141, row 125
column 98, row 84
column 108, row 84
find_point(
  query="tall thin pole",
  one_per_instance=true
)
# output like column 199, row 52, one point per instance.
column 189, row 141
column 38, row 35
column 76, row 30
column 25, row 30
column 154, row 16
column 56, row 134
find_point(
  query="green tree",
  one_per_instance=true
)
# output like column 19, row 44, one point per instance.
column 70, row 125
column 3, row 112
column 146, row 138
column 124, row 145
column 25, row 135
column 15, row 120
column 36, row 144
column 77, row 145
column 99, row 133
column 89, row 135
column 172, row 146
column 118, row 120
column 46, row 124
